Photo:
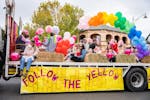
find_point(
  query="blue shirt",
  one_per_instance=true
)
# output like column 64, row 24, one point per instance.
column 83, row 53
column 50, row 44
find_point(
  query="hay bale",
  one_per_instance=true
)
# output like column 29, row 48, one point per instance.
column 146, row 59
column 49, row 57
column 123, row 58
column 92, row 57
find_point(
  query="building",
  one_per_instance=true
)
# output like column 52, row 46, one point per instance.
column 105, row 34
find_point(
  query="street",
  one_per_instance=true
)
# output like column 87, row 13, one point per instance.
column 9, row 90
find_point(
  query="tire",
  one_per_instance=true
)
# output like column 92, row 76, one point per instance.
column 136, row 80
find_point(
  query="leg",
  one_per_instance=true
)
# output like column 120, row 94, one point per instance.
column 22, row 62
column 29, row 62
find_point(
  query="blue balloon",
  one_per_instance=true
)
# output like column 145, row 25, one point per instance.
column 143, row 43
column 142, row 38
column 130, row 36
column 138, row 34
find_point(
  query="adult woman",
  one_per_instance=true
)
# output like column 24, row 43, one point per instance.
column 28, row 57
column 82, row 55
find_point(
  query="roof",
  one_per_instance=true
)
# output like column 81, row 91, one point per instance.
column 102, row 27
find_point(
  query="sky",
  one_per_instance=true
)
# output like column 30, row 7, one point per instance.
column 129, row 8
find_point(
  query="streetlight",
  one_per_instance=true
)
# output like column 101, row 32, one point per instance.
column 144, row 16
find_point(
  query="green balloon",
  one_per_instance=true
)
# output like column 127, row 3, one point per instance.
column 123, row 20
column 119, row 14
column 117, row 23
column 122, row 27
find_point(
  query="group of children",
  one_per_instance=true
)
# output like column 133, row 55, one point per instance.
column 91, row 46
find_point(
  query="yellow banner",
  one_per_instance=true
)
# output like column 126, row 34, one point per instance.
column 71, row 79
column 148, row 77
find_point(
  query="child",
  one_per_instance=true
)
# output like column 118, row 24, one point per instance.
column 28, row 57
column 111, row 55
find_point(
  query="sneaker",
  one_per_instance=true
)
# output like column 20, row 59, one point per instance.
column 25, row 75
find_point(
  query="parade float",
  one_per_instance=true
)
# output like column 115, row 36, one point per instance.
column 49, row 73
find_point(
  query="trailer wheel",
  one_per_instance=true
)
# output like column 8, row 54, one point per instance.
column 136, row 80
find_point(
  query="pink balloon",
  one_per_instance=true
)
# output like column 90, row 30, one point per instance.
column 36, row 38
column 128, row 51
column 84, row 19
column 83, row 26
column 38, row 43
column 14, row 56
column 75, row 37
column 39, row 31
column 59, row 38
column 48, row 29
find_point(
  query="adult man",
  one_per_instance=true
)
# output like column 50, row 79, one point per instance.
column 21, row 40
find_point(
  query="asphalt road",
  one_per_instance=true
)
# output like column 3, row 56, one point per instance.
column 9, row 90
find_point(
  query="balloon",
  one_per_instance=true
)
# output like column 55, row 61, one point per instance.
column 72, row 40
column 48, row 29
column 64, row 49
column 138, row 34
column 122, row 27
column 123, row 20
column 84, row 19
column 58, row 38
column 39, row 31
column 75, row 37
column 58, row 49
column 119, row 14
column 83, row 26
column 67, row 35
column 36, row 38
column 128, row 51
column 14, row 56
column 117, row 23
column 38, row 43
column 139, row 47
column 60, row 43
column 66, row 43
column 140, row 56
column 55, row 30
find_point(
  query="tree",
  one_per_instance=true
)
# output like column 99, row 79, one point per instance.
column 52, row 13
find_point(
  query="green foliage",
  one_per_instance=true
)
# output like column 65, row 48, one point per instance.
column 52, row 13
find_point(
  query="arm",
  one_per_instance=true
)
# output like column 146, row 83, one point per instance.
column 46, row 42
column 36, row 51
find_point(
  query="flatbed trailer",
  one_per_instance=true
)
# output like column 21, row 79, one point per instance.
column 132, row 76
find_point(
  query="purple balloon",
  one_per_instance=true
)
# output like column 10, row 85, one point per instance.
column 140, row 56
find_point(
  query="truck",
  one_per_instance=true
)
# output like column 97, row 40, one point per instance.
column 59, row 76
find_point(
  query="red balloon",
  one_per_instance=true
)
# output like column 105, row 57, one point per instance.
column 64, row 50
column 59, row 43
column 67, row 43
column 58, row 49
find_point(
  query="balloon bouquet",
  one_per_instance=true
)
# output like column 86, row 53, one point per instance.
column 63, row 44
column 119, row 21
